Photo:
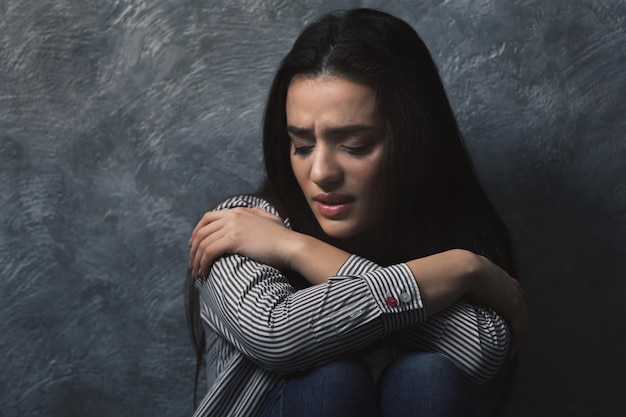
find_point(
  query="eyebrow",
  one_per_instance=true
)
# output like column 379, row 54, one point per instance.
column 333, row 131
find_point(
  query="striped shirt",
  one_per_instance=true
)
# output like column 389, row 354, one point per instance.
column 259, row 327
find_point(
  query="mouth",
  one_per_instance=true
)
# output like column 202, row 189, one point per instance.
column 333, row 205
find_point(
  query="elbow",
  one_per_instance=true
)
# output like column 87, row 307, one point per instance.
column 478, row 346
column 275, row 352
column 484, row 364
column 479, row 363
column 487, row 357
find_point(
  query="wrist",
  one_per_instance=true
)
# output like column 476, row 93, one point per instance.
column 286, row 247
column 477, row 277
column 293, row 247
column 314, row 259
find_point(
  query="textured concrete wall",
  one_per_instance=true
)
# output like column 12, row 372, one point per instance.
column 122, row 121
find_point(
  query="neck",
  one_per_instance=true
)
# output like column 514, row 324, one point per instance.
column 362, row 244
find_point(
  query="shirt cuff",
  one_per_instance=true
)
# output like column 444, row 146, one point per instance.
column 394, row 289
column 356, row 266
column 397, row 295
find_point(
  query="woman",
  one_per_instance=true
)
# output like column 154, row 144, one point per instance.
column 355, row 282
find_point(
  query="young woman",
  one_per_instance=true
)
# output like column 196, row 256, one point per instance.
column 367, row 277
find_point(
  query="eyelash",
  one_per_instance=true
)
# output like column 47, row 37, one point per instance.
column 302, row 150
column 353, row 150
column 357, row 150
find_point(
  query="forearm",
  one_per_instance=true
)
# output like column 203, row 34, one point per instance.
column 255, row 309
column 314, row 259
column 257, row 233
column 445, row 277
column 442, row 278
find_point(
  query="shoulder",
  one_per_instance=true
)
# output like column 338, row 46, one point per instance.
column 247, row 200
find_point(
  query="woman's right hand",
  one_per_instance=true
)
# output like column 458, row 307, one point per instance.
column 250, row 232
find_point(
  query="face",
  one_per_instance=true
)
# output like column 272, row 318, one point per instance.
column 337, row 142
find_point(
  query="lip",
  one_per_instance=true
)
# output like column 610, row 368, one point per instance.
column 333, row 205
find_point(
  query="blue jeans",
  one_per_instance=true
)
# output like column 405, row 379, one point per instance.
column 415, row 384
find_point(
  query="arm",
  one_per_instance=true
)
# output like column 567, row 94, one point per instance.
column 476, row 338
column 253, row 306
column 442, row 279
column 258, row 234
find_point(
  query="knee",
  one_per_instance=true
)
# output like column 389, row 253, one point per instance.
column 340, row 388
column 425, row 384
column 425, row 366
column 346, row 372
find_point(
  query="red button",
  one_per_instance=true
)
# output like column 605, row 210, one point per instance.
column 392, row 301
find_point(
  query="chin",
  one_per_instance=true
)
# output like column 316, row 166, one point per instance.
column 337, row 231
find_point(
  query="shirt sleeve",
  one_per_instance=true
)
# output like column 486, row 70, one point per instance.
column 255, row 308
column 476, row 338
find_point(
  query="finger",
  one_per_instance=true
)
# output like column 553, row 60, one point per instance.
column 198, row 225
column 211, row 249
column 211, row 253
column 201, row 243
column 201, row 235
column 210, row 224
column 207, row 218
column 200, row 253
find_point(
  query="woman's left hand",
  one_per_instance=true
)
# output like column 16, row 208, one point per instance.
column 251, row 232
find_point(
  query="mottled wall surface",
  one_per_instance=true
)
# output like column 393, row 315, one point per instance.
column 122, row 121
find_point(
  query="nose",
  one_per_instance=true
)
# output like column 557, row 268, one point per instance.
column 325, row 169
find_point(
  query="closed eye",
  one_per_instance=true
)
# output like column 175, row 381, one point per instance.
column 357, row 150
column 301, row 141
column 302, row 150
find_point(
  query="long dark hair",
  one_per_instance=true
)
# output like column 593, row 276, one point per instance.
column 428, row 185
column 430, row 198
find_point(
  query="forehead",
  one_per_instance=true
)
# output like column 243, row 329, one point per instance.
column 330, row 101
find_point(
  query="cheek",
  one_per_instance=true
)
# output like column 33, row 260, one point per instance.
column 298, row 170
column 368, row 176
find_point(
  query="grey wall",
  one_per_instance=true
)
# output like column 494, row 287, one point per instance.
column 122, row 121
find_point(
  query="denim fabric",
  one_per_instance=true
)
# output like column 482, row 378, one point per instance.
column 415, row 384
column 343, row 388
column 427, row 385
